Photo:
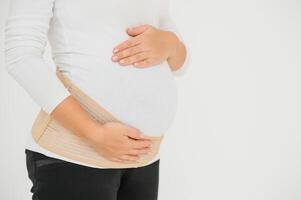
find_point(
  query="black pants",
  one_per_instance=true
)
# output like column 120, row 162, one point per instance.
column 55, row 179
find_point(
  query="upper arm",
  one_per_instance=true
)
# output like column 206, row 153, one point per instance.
column 26, row 28
column 26, row 36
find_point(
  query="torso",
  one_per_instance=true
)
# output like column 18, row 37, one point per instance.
column 82, row 37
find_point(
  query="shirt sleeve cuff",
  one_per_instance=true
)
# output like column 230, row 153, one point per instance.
column 55, row 100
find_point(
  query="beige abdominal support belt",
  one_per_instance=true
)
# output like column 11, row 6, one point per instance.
column 51, row 135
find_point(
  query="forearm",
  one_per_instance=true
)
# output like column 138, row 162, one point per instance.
column 178, row 56
column 73, row 117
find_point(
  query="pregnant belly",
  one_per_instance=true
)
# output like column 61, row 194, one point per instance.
column 143, row 98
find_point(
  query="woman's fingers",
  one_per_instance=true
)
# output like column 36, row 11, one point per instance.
column 127, row 44
column 127, row 52
column 132, row 156
column 139, row 144
column 139, row 151
column 134, row 58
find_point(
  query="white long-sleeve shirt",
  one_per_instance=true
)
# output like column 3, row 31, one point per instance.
column 82, row 35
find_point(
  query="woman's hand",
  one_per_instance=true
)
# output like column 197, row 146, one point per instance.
column 148, row 46
column 118, row 142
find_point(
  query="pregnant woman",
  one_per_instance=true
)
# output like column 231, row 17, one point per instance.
column 121, row 54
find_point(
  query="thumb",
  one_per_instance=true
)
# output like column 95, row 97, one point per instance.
column 134, row 31
column 134, row 133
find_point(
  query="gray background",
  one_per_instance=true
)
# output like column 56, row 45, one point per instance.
column 237, row 133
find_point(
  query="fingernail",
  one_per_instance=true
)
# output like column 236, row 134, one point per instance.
column 122, row 61
column 114, row 58
column 115, row 50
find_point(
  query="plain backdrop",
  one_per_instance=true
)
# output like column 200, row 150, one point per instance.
column 237, row 132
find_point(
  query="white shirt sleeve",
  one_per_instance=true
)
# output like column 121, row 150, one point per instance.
column 167, row 23
column 26, row 34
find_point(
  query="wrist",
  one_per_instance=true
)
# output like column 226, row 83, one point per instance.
column 174, row 44
column 92, row 131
